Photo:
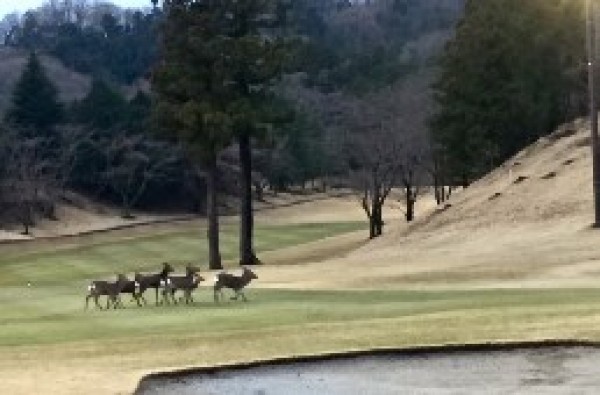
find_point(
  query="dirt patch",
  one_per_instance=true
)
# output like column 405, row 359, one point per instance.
column 495, row 196
column 520, row 180
column 549, row 176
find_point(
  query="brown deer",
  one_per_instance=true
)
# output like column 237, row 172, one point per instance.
column 109, row 289
column 188, row 284
column 146, row 281
column 236, row 283
column 133, row 288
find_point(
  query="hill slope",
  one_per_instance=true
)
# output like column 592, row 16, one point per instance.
column 71, row 85
column 549, row 180
column 527, row 224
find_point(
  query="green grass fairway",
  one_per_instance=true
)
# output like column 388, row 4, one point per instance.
column 54, row 315
column 49, row 344
column 63, row 261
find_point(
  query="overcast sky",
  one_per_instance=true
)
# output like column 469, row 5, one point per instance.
column 8, row 6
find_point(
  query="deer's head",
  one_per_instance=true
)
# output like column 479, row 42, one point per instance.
column 167, row 268
column 191, row 270
column 249, row 274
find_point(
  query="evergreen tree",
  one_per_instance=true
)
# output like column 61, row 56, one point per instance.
column 35, row 107
column 103, row 108
column 191, row 94
column 511, row 74
column 255, row 49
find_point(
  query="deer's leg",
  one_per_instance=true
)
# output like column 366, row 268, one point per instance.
column 87, row 300
column 165, row 296
column 156, row 289
column 243, row 296
column 172, row 292
column 137, row 300
column 117, row 302
column 216, row 292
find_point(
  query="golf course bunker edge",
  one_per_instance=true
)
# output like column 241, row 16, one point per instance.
column 547, row 367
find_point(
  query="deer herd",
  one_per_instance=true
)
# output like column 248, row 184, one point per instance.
column 166, row 287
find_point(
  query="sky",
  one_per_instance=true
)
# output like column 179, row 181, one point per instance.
column 8, row 6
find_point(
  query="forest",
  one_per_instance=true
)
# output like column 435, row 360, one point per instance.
column 272, row 95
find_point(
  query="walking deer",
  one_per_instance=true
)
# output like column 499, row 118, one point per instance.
column 146, row 281
column 236, row 283
column 188, row 284
column 109, row 289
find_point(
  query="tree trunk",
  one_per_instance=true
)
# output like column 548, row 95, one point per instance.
column 410, row 205
column 259, row 189
column 372, row 228
column 465, row 181
column 376, row 215
column 439, row 196
column 247, row 256
column 126, row 209
column 212, row 212
column 379, row 220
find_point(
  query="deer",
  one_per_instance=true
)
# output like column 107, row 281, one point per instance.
column 236, row 283
column 188, row 284
column 109, row 289
column 135, row 290
column 146, row 281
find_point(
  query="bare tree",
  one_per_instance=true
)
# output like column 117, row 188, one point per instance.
column 131, row 163
column 374, row 169
column 388, row 146
column 28, row 170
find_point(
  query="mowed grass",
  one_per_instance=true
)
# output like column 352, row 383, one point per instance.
column 71, row 260
column 55, row 315
column 48, row 342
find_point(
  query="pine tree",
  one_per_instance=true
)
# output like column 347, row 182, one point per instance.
column 256, row 49
column 220, row 61
column 191, row 94
column 103, row 108
column 511, row 74
column 35, row 107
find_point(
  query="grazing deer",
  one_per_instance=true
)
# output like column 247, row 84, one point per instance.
column 108, row 289
column 188, row 284
column 146, row 281
column 236, row 283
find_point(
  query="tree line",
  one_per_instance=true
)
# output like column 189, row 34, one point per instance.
column 513, row 72
column 273, row 92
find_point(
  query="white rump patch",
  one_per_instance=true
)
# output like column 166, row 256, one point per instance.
column 162, row 283
column 168, row 281
column 137, row 285
column 90, row 288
